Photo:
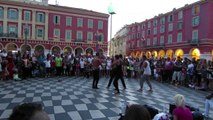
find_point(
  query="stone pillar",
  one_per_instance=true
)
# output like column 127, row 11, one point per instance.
column 32, row 51
column 19, row 22
column 46, row 26
column 33, row 24
column 5, row 20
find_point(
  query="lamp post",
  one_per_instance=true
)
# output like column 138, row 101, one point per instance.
column 111, row 12
column 26, row 31
column 97, row 39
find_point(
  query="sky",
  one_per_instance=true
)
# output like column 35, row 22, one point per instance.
column 127, row 11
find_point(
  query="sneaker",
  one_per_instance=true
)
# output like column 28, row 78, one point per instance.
column 140, row 90
column 150, row 90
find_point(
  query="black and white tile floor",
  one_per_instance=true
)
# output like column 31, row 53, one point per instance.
column 74, row 99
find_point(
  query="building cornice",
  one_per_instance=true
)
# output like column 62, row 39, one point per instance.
column 56, row 8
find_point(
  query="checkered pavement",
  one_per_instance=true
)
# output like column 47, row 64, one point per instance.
column 74, row 99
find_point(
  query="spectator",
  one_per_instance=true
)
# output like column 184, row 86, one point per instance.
column 181, row 112
column 208, row 104
column 137, row 112
column 28, row 111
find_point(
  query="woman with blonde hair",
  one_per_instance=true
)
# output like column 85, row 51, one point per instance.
column 181, row 112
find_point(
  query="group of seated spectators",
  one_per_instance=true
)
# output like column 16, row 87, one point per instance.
column 178, row 111
column 34, row 111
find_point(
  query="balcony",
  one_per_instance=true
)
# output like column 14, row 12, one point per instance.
column 160, row 46
column 9, row 35
column 193, row 42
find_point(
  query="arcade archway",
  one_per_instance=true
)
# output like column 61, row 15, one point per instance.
column 179, row 53
column 161, row 54
column 148, row 54
column 56, row 50
column 78, row 51
column 11, row 47
column 67, row 50
column 25, row 49
column 137, row 54
column 39, row 49
column 101, row 52
column 212, row 55
column 169, row 53
column 195, row 53
column 1, row 47
column 142, row 53
column 154, row 54
column 89, row 51
column 132, row 54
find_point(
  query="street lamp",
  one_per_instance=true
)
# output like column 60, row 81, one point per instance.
column 98, row 38
column 111, row 12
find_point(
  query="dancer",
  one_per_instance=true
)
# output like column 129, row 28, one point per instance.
column 121, row 71
column 146, row 74
column 112, row 73
column 119, row 74
column 96, row 62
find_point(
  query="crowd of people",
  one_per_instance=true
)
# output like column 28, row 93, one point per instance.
column 191, row 73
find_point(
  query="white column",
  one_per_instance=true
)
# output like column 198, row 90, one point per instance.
column 46, row 26
column 19, row 22
column 33, row 24
column 5, row 20
column 32, row 51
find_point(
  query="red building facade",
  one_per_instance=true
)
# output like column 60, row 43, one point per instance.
column 38, row 27
column 184, row 32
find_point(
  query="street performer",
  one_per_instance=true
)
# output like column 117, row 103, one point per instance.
column 96, row 62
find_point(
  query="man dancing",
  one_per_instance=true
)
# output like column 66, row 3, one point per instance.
column 96, row 62
column 146, row 74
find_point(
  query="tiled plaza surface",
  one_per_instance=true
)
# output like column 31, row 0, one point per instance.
column 74, row 99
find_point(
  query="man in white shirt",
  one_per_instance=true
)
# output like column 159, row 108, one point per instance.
column 146, row 74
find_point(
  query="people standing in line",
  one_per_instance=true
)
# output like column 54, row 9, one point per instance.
column 168, row 70
column 82, row 65
column 25, row 67
column 96, row 62
column 58, row 65
column 146, row 74
column 177, row 68
column 48, row 67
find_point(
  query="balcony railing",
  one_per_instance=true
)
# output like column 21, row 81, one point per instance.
column 8, row 35
column 194, row 42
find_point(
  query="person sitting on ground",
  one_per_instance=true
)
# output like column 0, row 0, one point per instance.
column 28, row 111
column 208, row 104
column 181, row 112
column 137, row 112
